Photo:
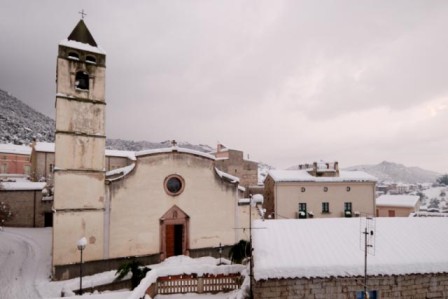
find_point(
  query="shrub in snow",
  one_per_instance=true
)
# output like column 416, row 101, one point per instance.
column 5, row 213
column 239, row 251
column 135, row 268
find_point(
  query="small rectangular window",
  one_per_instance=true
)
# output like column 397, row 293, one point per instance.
column 325, row 207
column 347, row 206
column 302, row 210
column 51, row 167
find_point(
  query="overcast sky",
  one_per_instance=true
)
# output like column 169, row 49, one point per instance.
column 287, row 82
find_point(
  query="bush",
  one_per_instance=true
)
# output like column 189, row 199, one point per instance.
column 239, row 251
column 136, row 268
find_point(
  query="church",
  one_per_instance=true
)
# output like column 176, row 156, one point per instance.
column 170, row 201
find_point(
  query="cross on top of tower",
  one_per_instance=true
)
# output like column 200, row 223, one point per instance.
column 82, row 13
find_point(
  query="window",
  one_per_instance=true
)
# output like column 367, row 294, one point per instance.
column 174, row 184
column 302, row 210
column 4, row 168
column 82, row 80
column 51, row 167
column 73, row 55
column 90, row 59
column 325, row 207
column 347, row 209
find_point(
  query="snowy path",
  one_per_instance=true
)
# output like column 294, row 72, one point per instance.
column 23, row 266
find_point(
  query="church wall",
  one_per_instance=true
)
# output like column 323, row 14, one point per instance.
column 82, row 152
column 69, row 227
column 76, row 116
column 79, row 190
column 66, row 79
column 139, row 201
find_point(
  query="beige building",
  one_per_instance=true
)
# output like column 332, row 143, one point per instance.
column 397, row 205
column 168, row 202
column 29, row 206
column 42, row 160
column 233, row 162
column 318, row 190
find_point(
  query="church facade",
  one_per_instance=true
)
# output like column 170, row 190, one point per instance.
column 168, row 202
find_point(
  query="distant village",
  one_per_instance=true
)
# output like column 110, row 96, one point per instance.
column 315, row 231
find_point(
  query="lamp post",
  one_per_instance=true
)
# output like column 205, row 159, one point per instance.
column 81, row 246
column 220, row 254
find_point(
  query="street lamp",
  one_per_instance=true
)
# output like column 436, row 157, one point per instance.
column 81, row 246
column 220, row 254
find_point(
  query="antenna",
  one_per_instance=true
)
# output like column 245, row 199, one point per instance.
column 367, row 242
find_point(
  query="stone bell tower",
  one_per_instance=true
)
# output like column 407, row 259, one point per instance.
column 79, row 173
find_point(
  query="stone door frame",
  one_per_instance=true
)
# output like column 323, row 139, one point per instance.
column 172, row 217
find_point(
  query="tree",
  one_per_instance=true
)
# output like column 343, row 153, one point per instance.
column 137, row 270
column 239, row 251
column 443, row 180
column 5, row 213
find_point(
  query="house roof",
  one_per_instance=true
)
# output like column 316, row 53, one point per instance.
column 304, row 176
column 405, row 201
column 22, row 185
column 82, row 34
column 82, row 39
column 173, row 149
column 9, row 148
column 331, row 247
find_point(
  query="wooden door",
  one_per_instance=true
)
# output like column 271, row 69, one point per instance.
column 174, row 239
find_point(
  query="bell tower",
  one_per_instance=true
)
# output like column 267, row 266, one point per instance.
column 79, row 173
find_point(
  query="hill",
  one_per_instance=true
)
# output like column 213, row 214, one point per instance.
column 393, row 172
column 19, row 123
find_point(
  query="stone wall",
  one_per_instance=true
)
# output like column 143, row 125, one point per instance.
column 396, row 286
column 27, row 207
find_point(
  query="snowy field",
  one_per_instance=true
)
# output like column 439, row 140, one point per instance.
column 25, row 269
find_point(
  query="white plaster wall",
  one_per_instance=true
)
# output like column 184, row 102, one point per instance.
column 68, row 228
column 75, row 190
column 139, row 201
column 82, row 117
column 80, row 152
column 289, row 195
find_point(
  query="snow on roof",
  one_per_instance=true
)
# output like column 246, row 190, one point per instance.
column 125, row 154
column 44, row 147
column 405, row 201
column 331, row 247
column 50, row 148
column 231, row 178
column 82, row 46
column 173, row 149
column 22, row 185
column 304, row 176
column 119, row 172
column 9, row 148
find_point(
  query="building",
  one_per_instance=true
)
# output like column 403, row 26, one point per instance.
column 397, row 205
column 318, row 190
column 232, row 161
column 29, row 206
column 324, row 258
column 169, row 201
column 15, row 159
column 43, row 160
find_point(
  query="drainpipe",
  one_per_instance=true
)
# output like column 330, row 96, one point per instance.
column 34, row 209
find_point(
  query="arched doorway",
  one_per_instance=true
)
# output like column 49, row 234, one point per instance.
column 174, row 233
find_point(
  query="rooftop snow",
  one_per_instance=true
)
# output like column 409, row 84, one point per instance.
column 119, row 172
column 44, row 147
column 231, row 178
column 331, row 247
column 82, row 46
column 50, row 148
column 405, row 201
column 304, row 176
column 22, row 185
column 173, row 149
column 9, row 148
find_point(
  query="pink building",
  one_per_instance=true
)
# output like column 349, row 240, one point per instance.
column 15, row 159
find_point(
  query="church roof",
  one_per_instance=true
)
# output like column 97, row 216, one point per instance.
column 82, row 34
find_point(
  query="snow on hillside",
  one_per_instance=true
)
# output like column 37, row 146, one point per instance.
column 393, row 172
column 19, row 123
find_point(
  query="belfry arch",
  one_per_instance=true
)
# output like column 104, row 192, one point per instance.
column 174, row 233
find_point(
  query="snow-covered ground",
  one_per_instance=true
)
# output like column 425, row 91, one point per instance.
column 25, row 269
